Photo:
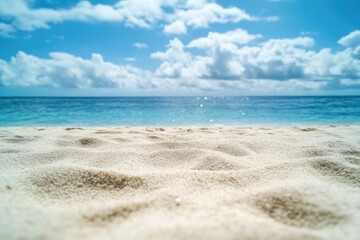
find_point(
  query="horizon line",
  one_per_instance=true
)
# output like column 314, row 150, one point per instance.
column 180, row 96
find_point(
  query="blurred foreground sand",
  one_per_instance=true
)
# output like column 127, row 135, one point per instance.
column 180, row 183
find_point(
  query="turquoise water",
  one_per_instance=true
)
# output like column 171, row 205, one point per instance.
column 179, row 111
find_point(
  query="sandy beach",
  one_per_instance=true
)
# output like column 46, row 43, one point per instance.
column 180, row 183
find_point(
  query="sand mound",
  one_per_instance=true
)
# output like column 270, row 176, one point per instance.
column 294, row 209
column 67, row 141
column 180, row 183
column 66, row 183
column 338, row 171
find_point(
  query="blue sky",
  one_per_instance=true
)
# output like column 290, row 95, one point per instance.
column 177, row 47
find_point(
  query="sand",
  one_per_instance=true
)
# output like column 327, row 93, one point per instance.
column 180, row 183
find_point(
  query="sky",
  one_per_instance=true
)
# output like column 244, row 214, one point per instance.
column 179, row 48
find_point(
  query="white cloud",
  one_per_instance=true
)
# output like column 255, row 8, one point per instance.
column 178, row 15
column 276, row 59
column 65, row 70
column 351, row 40
column 202, row 14
column 140, row 45
column 6, row 30
column 26, row 18
column 176, row 61
column 142, row 13
column 177, row 27
column 238, row 36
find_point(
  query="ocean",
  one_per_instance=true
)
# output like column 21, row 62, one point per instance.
column 179, row 111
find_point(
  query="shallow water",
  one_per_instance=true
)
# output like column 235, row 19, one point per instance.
column 179, row 111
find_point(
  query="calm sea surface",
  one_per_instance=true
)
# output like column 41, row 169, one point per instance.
column 179, row 111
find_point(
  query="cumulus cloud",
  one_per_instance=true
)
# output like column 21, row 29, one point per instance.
column 203, row 13
column 278, row 59
column 238, row 36
column 25, row 18
column 351, row 40
column 175, row 61
column 177, row 27
column 225, row 58
column 66, row 70
column 177, row 15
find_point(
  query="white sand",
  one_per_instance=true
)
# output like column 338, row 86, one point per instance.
column 155, row 183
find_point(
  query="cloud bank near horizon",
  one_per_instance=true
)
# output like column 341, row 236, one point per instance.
column 224, row 61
